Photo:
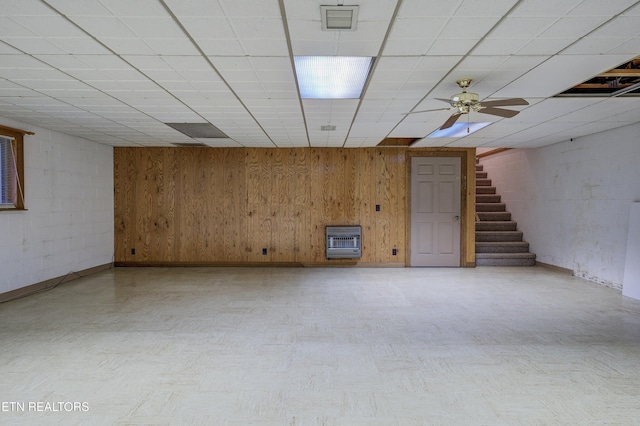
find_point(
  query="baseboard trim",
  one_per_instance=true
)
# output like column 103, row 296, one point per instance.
column 340, row 263
column 50, row 283
column 555, row 268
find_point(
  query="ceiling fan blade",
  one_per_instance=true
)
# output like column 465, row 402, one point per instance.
column 426, row 110
column 500, row 112
column 449, row 101
column 505, row 102
column 450, row 121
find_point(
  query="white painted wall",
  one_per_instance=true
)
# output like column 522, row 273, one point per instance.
column 69, row 223
column 572, row 200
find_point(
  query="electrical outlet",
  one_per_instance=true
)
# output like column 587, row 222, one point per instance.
column 133, row 251
column 394, row 252
column 377, row 207
column 264, row 251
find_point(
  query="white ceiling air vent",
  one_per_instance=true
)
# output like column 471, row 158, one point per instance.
column 327, row 128
column 339, row 17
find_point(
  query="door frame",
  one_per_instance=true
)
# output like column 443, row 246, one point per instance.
column 467, row 202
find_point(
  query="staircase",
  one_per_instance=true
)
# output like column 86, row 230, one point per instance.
column 498, row 242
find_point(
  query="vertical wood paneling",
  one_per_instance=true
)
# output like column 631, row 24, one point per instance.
column 254, row 205
column 187, row 223
column 302, row 206
column 383, row 198
column 124, row 216
column 401, row 202
column 215, row 205
column 366, row 190
column 235, row 207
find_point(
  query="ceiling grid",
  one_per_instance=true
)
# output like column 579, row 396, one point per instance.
column 115, row 71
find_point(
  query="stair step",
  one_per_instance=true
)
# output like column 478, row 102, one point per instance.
column 491, row 207
column 494, row 216
column 502, row 247
column 485, row 189
column 498, row 236
column 488, row 198
column 502, row 225
column 483, row 182
column 479, row 167
column 505, row 259
column 481, row 175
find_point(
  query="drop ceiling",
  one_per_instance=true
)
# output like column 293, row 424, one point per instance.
column 115, row 71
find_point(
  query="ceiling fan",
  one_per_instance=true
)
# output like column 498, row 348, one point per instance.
column 466, row 102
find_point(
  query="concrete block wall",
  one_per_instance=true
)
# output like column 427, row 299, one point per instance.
column 69, row 222
column 572, row 200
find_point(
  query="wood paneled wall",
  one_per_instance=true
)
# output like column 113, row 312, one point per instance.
column 224, row 205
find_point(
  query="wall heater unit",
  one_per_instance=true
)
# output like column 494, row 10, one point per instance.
column 344, row 242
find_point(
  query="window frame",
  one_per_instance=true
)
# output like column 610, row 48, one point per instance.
column 18, row 148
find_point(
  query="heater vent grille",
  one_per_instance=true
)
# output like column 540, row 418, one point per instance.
column 344, row 242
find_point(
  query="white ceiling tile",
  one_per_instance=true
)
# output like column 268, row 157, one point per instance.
column 128, row 46
column 468, row 27
column 499, row 46
column 156, row 27
column 522, row 27
column 220, row 47
column 195, row 8
column 416, row 29
column 26, row 8
column 573, row 27
column 250, row 8
column 208, row 27
column 79, row 46
column 104, row 26
column 592, row 46
column 595, row 8
column 139, row 8
column 265, row 47
column 33, row 45
column 493, row 8
column 628, row 47
column 11, row 28
column 404, row 47
column 49, row 26
column 545, row 46
column 623, row 26
column 545, row 8
column 454, row 47
column 428, row 8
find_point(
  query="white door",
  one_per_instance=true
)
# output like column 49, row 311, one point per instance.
column 435, row 211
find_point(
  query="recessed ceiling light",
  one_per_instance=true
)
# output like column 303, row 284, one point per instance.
column 458, row 130
column 332, row 77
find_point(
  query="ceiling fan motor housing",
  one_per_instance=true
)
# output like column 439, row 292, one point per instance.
column 465, row 98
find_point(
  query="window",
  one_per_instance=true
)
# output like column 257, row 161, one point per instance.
column 11, row 169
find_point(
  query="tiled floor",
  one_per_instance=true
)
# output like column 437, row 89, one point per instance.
column 322, row 346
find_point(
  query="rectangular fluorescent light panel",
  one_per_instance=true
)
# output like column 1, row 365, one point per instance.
column 458, row 130
column 332, row 77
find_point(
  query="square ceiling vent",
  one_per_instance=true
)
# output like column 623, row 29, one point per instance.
column 339, row 18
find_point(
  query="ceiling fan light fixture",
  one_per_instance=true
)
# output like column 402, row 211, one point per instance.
column 458, row 130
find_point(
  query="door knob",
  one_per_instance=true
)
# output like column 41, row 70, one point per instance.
column 456, row 218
